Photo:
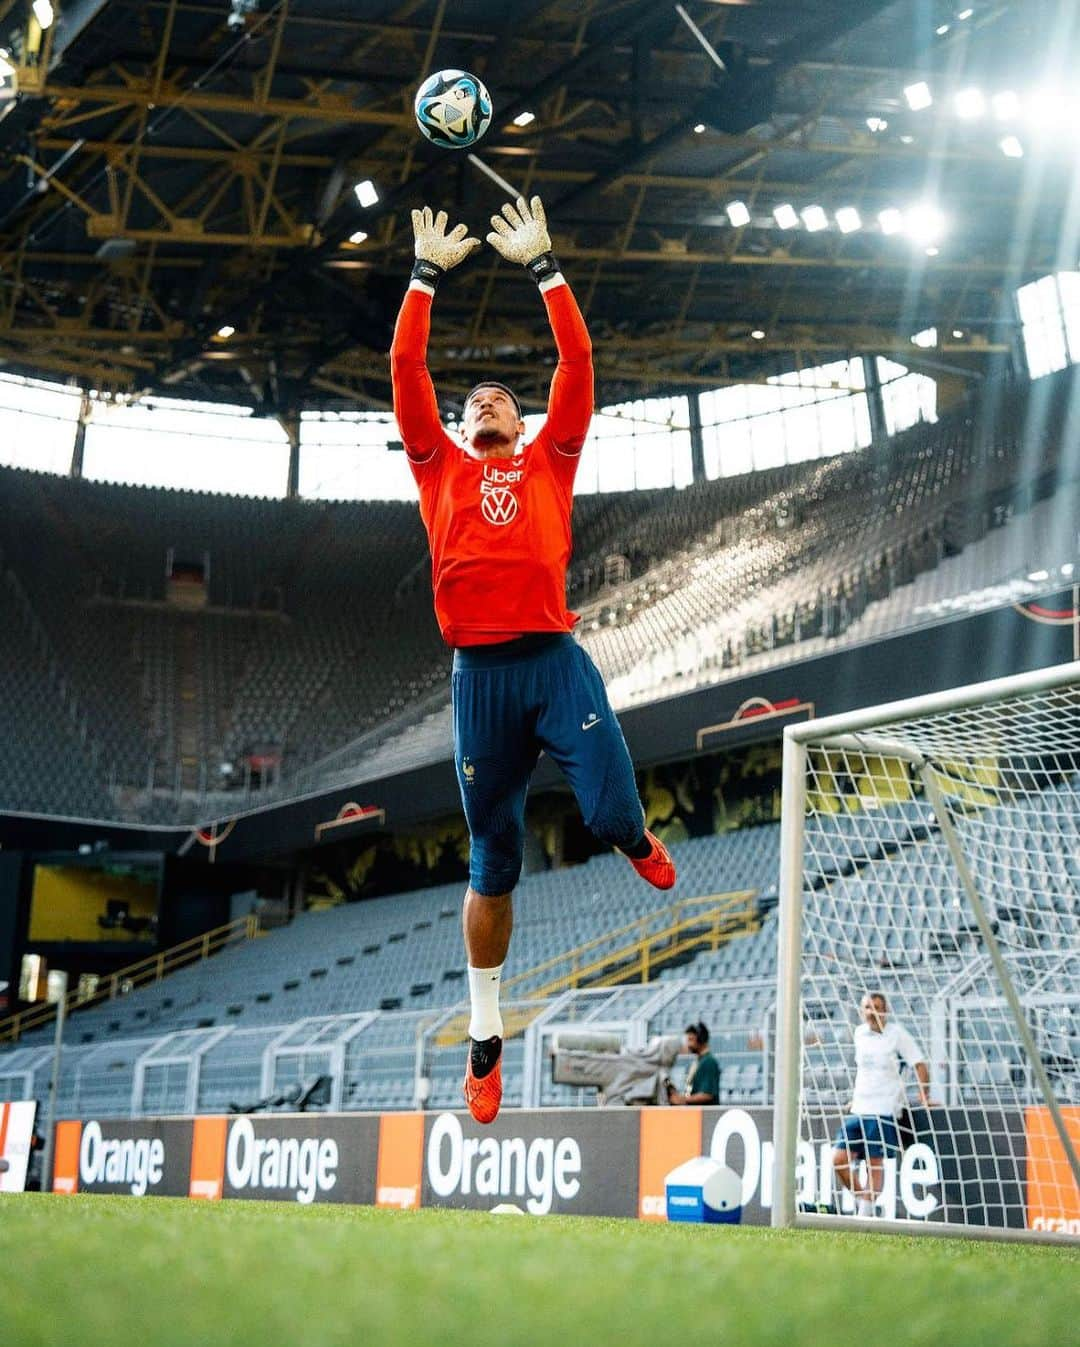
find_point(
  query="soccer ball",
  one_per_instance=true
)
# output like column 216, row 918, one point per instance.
column 453, row 109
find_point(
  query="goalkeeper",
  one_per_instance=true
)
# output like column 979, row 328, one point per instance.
column 871, row 1131
column 497, row 515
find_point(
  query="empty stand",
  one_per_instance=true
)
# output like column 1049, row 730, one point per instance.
column 317, row 656
column 367, row 991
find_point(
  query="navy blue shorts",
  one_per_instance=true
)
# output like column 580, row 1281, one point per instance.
column 512, row 701
column 868, row 1136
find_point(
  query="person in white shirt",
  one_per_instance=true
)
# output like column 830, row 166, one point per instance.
column 870, row 1131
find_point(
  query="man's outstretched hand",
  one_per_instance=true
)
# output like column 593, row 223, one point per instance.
column 520, row 234
column 436, row 250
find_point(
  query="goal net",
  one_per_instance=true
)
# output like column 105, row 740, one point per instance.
column 931, row 855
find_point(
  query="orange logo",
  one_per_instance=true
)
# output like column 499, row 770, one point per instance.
column 66, row 1157
column 668, row 1137
column 399, row 1174
column 207, row 1158
column 1053, row 1200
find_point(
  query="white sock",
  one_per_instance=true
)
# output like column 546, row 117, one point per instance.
column 484, row 984
column 864, row 1207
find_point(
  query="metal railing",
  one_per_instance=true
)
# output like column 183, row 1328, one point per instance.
column 145, row 971
column 628, row 954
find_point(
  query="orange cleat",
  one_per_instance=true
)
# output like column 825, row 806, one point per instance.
column 483, row 1094
column 657, row 868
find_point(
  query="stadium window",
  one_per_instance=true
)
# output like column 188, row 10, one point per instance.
column 800, row 415
column 767, row 426
column 38, row 421
column 1069, row 291
column 188, row 446
column 637, row 446
column 907, row 397
column 344, row 456
column 1041, row 306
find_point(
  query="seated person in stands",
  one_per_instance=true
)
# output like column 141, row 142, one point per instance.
column 703, row 1078
column 871, row 1132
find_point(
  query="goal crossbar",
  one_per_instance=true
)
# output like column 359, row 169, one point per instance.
column 931, row 703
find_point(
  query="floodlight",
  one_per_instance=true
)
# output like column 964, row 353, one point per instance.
column 925, row 223
column 970, row 104
column 758, row 334
column 918, row 96
column 226, row 331
column 699, row 128
column 786, row 216
column 891, row 220
column 1011, row 147
column 965, row 14
column 524, row 118
column 926, row 338
column 848, row 220
column 814, row 218
column 358, row 237
column 366, row 192
column 877, row 123
column 44, row 13
column 738, row 214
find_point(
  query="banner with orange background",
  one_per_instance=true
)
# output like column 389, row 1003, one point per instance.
column 1053, row 1199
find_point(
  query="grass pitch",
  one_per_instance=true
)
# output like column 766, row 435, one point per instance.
column 117, row 1270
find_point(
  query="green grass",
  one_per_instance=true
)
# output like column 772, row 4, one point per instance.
column 116, row 1270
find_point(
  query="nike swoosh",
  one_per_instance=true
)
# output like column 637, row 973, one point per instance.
column 591, row 724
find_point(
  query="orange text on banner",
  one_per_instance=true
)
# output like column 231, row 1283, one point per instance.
column 668, row 1137
column 399, row 1174
column 66, row 1157
column 207, row 1157
column 1053, row 1199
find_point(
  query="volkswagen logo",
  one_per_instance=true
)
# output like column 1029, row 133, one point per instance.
column 499, row 506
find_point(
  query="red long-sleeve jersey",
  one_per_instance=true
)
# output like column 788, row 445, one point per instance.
column 499, row 530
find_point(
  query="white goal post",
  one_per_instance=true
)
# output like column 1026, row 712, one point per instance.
column 930, row 852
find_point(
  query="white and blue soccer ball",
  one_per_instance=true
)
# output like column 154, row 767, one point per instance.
column 453, row 109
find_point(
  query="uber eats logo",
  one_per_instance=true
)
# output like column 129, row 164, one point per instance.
column 280, row 1164
column 542, row 1168
column 135, row 1163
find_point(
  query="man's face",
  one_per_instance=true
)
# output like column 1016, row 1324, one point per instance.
column 875, row 1013
column 491, row 424
column 693, row 1044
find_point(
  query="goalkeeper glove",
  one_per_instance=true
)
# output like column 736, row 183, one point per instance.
column 521, row 235
column 437, row 251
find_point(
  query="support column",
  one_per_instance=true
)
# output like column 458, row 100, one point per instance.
column 697, row 442
column 290, row 423
column 874, row 400
column 80, row 436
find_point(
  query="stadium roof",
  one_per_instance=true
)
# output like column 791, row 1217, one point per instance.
column 174, row 169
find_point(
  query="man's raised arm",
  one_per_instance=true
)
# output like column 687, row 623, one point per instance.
column 415, row 405
column 520, row 234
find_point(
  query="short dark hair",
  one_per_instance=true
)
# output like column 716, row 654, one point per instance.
column 493, row 383
column 876, row 996
column 699, row 1030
